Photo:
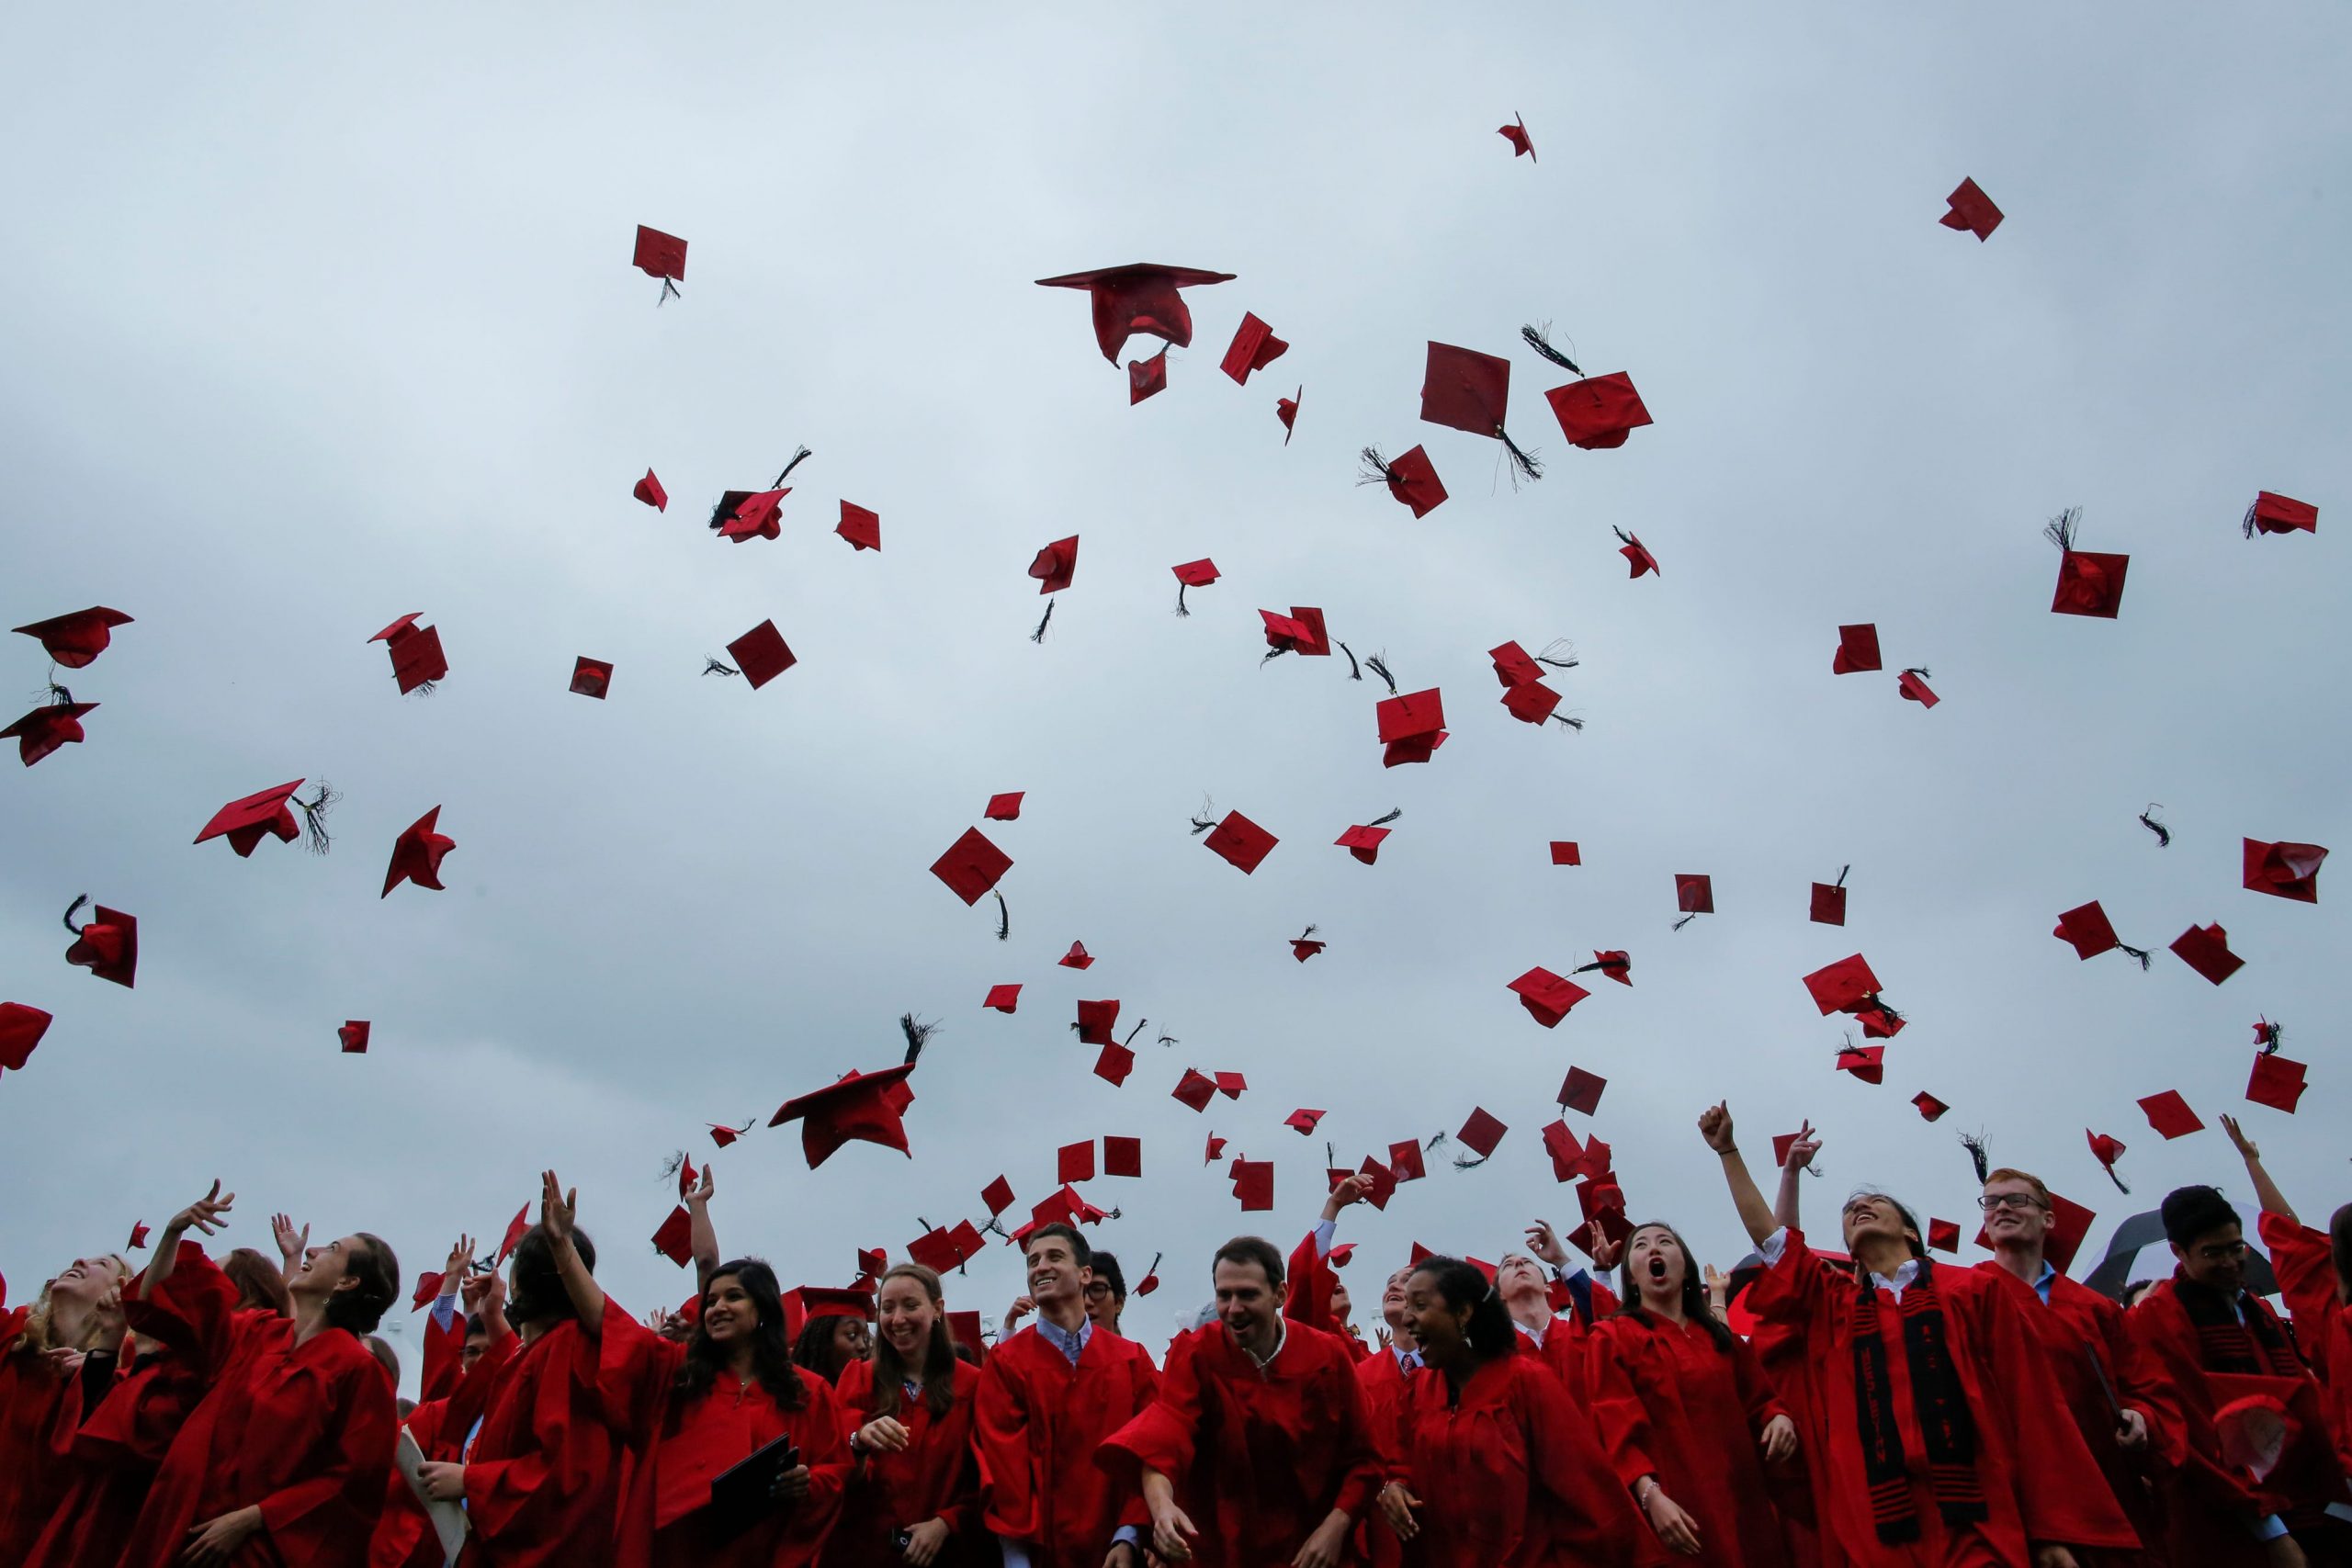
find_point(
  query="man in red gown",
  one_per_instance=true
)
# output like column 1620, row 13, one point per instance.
column 2305, row 1261
column 1049, row 1396
column 1257, row 1449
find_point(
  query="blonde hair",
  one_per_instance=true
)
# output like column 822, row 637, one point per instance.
column 39, row 1336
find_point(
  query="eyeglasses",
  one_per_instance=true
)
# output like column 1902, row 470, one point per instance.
column 1992, row 1201
column 2222, row 1251
column 1100, row 1291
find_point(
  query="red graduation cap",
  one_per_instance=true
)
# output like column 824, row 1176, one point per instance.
column 1379, row 1182
column 2275, row 1082
column 1304, row 947
column 1867, row 1063
column 1255, row 347
column 2107, row 1151
column 592, row 677
column 1139, row 297
column 75, row 639
column 1121, row 1156
column 872, row 1261
column 1113, row 1064
column 1253, row 1184
column 515, row 1229
column 1857, row 650
column 244, row 822
column 1146, row 377
column 761, row 654
column 1879, row 1021
column 863, row 1106
column 1075, row 1162
column 1481, row 1133
column 1301, row 632
column 1603, row 1203
column 2087, row 928
column 808, row 1303
column 1581, row 1091
column 1411, row 479
column 1077, row 957
column 1971, row 211
column 1004, row 999
column 138, row 1242
column 860, row 526
column 2269, row 514
column 722, row 1134
column 1612, row 961
column 44, row 729
column 1363, row 841
column 687, row 1175
column 1781, row 1143
column 1943, row 1236
column 1694, row 894
column 1568, row 1155
column 1828, row 905
column 1599, row 411
column 1930, row 1106
column 1565, row 853
column 659, row 255
column 1637, row 554
column 964, row 1327
column 1193, row 574
column 353, row 1036
column 1514, row 666
column 1241, row 842
column 428, row 1286
column 971, row 866
column 1464, row 390
column 674, row 1239
column 1230, row 1085
column 750, row 513
column 1056, row 565
column 1516, row 134
column 1195, row 1090
column 1286, row 410
column 2089, row 583
column 1302, row 1121
column 1912, row 685
column 2169, row 1114
column 2284, row 869
column 997, row 1195
column 107, row 947
column 1847, row 986
column 1548, row 997
column 21, row 1028
column 417, row 659
column 417, row 854
column 1215, row 1150
column 1405, row 1160
column 1530, row 702
column 649, row 491
column 1096, row 1021
column 1412, row 727
column 2206, row 949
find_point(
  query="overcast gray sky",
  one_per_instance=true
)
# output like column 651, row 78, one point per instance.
column 316, row 319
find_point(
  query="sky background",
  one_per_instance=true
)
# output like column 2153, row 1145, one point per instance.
column 318, row 319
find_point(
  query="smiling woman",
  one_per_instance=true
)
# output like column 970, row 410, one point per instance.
column 914, row 1496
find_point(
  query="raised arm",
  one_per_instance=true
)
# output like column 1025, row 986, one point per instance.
column 2265, row 1190
column 700, row 1234
column 206, row 1215
column 1785, row 1204
column 556, row 1207
column 291, row 1245
column 1714, row 1126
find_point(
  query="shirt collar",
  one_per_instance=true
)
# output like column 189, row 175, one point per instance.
column 1534, row 1334
column 1904, row 1272
column 1281, row 1338
column 1068, row 1344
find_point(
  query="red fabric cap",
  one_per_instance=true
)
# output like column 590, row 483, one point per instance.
column 138, row 1242
column 971, row 866
column 1379, row 1182
column 428, row 1287
column 997, row 1195
column 1004, row 999
column 353, row 1036
column 21, row 1028
column 2275, row 1082
column 1304, row 948
column 964, row 1327
column 1613, row 963
column 1481, row 1133
column 1828, row 904
column 1781, row 1143
column 1146, row 377
column 1637, row 555
column 2284, row 869
column 1464, row 390
column 1565, row 853
column 1195, row 1090
column 1548, row 997
column 861, row 527
column 1303, row 1122
column 108, row 946
column 649, row 491
column 722, row 1134
column 1943, row 1236
column 1113, row 1064
column 74, row 639
column 866, row 1107
column 2269, row 514
column 1843, row 986
column 1215, row 1147
column 417, row 854
column 1694, row 894
column 1912, row 689
column 872, row 1261
column 1930, row 1106
column 1405, row 1160
column 417, row 658
column 1410, row 725
column 1516, row 134
column 1121, row 1156
column 1514, row 667
column 1413, row 480
column 2086, row 928
column 1363, row 843
column 761, row 654
column 1196, row 573
column 1139, row 297
column 2104, row 1149
column 1301, row 632
column 1867, row 1063
column 1255, row 347
column 810, row 1303
column 2206, row 949
column 1286, row 410
column 1096, row 1020
column 1878, row 1022
column 1857, row 650
column 1056, row 565
column 1599, row 411
column 2090, row 583
column 1075, row 1162
column 752, row 514
column 244, row 822
column 1240, row 842
column 658, row 254
column 1253, row 1184
column 44, row 729
column 1077, row 957
column 516, row 1229
column 2170, row 1115
column 1581, row 1091
column 1972, row 211
column 1568, row 1155
column 1532, row 702
column 591, row 677
column 674, row 1239
column 1230, row 1085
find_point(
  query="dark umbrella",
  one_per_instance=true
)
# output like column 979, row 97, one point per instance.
column 2114, row 1271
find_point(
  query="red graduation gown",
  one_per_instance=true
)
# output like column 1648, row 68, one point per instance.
column 543, row 1480
column 111, row 1446
column 32, row 1477
column 1669, row 1403
column 683, row 1446
column 1512, row 1476
column 1797, row 1489
column 1260, row 1458
column 1037, row 1422
column 936, row 1477
column 1384, row 1385
column 2039, row 1483
column 2323, row 1324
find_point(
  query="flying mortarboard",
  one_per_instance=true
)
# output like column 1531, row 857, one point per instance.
column 2275, row 1082
column 1516, row 134
column 1829, row 900
column 1847, row 986
column 997, row 1195
column 2206, row 949
column 1240, row 842
column 659, row 255
column 44, row 729
column 1581, row 1091
column 1410, row 478
column 1533, row 702
column 1568, row 1155
column 1412, row 727
column 1694, row 894
column 1480, row 1134
column 1004, row 999
column 2107, row 1151
column 1253, row 1184
column 1464, row 390
column 1857, row 650
column 1286, row 410
column 2169, row 1114
column 1611, row 962
column 1302, row 1121
column 2087, row 928
column 516, row 1228
column 1075, row 1162
column 868, row 1107
column 1637, row 554
column 244, row 822
column 1077, row 957
column 1943, row 1236
column 74, row 640
column 1215, row 1150
column 2269, row 514
column 1139, row 297
column 1113, row 1064
column 1121, row 1156
column 1301, row 632
column 2089, row 583
column 1547, row 997
column 138, row 1242
column 1598, row 412
column 417, row 854
column 752, row 514
column 761, row 654
column 860, row 526
column 353, row 1036
column 21, row 1028
column 1912, row 685
column 1195, row 1090
column 1230, row 1084
column 722, row 1134
column 1566, row 852
column 1096, row 1020
column 418, row 663
column 1193, row 574
column 1971, row 211
column 2284, row 869
column 1405, row 1160
column 1867, row 1063
column 971, row 866
column 591, row 677
column 674, row 1239
column 1929, row 1105
column 1304, row 947
column 872, row 1261
column 1379, row 1182
column 1056, row 565
column 1604, row 1205
column 1255, row 347
column 1146, row 377
column 1363, row 840
column 649, row 491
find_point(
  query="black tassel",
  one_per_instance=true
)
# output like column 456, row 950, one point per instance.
column 1376, row 469
column 1976, row 1153
column 314, row 817
column 1304, row 934
column 992, row 1228
column 1167, row 1040
column 1921, row 671
column 1622, row 536
column 1433, row 1140
column 2148, row 820
column 669, row 1166
column 2060, row 530
column 2266, row 1033
column 669, row 292
column 1039, row 634
column 1378, row 665
column 713, row 667
column 1573, row 723
column 1130, row 1040
column 1356, row 670
column 1205, row 819
column 1540, row 342
column 1271, row 657
column 1463, row 1162
column 1609, row 965
column 1686, row 920
column 2114, row 1177
column 1521, row 462
column 425, row 688
column 799, row 457
column 1180, row 599
column 74, row 909
column 1155, row 1265
column 1559, row 653
column 59, row 696
column 2138, row 953
column 1841, row 876
column 1003, row 918
column 918, row 1036
column 2249, row 518
column 1381, row 821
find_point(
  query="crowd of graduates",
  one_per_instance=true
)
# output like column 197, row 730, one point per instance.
column 1879, row 1408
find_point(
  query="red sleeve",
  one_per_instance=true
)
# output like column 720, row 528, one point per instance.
column 536, row 1492
column 1793, row 1290
column 469, row 1401
column 826, row 1453
column 192, row 1314
column 633, row 1367
column 445, row 1350
column 1145, row 1380
column 1605, row 1304
column 2166, row 1336
column 315, row 1518
column 953, row 1435
column 2142, row 1383
column 2306, row 1271
column 1000, row 1438
column 1162, row 1437
column 1306, row 1293
column 1593, row 1519
column 1756, row 1397
column 2062, row 1496
column 1619, row 1416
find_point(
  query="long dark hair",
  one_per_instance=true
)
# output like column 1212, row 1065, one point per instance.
column 771, row 1351
column 378, row 1272
column 1490, row 1331
column 538, row 1295
column 259, row 1284
column 937, row 1373
column 1695, row 1304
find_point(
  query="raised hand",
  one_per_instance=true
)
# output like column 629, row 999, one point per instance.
column 700, row 1196
column 1714, row 1126
column 1606, row 1252
column 556, row 1207
column 1022, row 1307
column 207, row 1214
column 461, row 1259
column 1346, row 1192
column 1808, row 1144
column 1545, row 1243
column 291, row 1243
column 2247, row 1149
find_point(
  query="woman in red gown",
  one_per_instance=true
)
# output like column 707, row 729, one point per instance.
column 1499, row 1468
column 914, row 1496
column 1685, row 1412
column 33, row 1383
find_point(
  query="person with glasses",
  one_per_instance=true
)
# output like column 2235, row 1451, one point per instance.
column 1936, row 1452
column 1106, row 1293
column 2119, row 1398
column 2222, row 1344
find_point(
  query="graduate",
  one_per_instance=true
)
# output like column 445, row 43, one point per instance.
column 1106, row 1293
column 1312, row 1293
column 1385, row 1377
column 1533, row 1295
column 1047, row 1397
column 1499, row 1468
column 914, row 1486
column 452, row 1408
column 282, row 1461
column 2314, row 1272
column 34, row 1384
column 1685, row 1412
column 2220, row 1343
column 1257, row 1449
column 1968, row 1460
column 830, row 1342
